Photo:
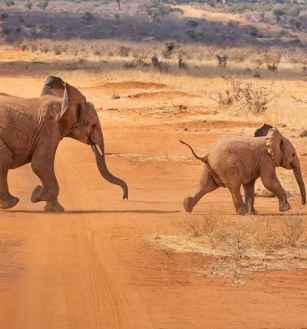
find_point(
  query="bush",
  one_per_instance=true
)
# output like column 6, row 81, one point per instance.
column 9, row 3
column 4, row 15
column 255, row 32
column 157, row 9
column 248, row 96
column 278, row 12
column 28, row 5
column 124, row 51
column 43, row 4
column 192, row 23
column 170, row 45
column 195, row 36
column 88, row 18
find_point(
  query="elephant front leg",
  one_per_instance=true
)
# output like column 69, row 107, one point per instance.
column 51, row 206
column 7, row 200
column 249, row 190
column 272, row 184
column 44, row 169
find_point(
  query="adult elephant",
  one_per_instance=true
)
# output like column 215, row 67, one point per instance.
column 233, row 162
column 31, row 129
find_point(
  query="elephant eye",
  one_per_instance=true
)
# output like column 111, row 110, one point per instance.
column 78, row 112
column 293, row 155
column 281, row 145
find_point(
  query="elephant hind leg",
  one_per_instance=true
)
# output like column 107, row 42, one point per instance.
column 7, row 200
column 240, row 206
column 207, row 184
column 9, row 203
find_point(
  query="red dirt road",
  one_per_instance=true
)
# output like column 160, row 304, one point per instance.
column 91, row 267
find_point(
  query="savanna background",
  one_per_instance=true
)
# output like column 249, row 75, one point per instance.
column 157, row 72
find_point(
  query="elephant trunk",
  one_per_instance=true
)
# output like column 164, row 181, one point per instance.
column 101, row 164
column 300, row 182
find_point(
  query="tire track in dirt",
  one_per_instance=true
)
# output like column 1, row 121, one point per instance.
column 101, row 297
column 107, row 304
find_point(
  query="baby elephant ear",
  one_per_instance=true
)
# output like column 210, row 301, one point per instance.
column 262, row 131
column 53, row 86
column 275, row 144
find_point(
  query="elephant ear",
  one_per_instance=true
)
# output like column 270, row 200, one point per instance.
column 262, row 131
column 274, row 143
column 72, row 104
column 53, row 86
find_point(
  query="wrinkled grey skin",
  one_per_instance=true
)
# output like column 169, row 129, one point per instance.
column 31, row 129
column 233, row 162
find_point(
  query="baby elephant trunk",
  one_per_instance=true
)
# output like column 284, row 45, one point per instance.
column 300, row 182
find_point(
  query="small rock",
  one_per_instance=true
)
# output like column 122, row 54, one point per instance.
column 303, row 133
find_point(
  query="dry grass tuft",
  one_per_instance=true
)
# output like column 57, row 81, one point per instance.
column 234, row 250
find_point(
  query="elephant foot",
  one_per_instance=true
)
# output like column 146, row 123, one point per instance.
column 187, row 204
column 284, row 206
column 53, row 206
column 252, row 211
column 35, row 197
column 246, row 210
column 242, row 212
column 10, row 203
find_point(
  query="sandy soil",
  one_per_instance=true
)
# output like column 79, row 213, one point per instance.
column 91, row 267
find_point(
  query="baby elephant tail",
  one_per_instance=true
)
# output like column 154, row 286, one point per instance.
column 203, row 159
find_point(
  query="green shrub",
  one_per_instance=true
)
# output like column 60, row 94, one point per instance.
column 7, row 31
column 157, row 9
column 88, row 18
column 170, row 45
column 254, row 32
column 278, row 12
column 43, row 4
column 195, row 36
column 4, row 15
column 28, row 5
column 9, row 3
column 192, row 23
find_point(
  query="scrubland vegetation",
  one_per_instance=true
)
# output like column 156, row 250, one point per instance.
column 232, row 250
column 254, row 57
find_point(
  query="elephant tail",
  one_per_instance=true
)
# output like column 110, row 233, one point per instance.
column 203, row 159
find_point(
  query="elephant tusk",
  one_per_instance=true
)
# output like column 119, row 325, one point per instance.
column 98, row 149
column 93, row 148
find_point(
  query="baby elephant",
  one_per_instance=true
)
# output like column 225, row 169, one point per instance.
column 235, row 161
